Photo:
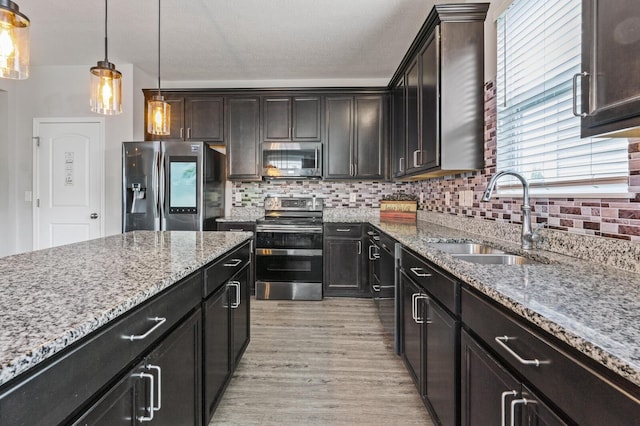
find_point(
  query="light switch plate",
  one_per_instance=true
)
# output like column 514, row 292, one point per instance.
column 447, row 198
column 238, row 197
column 352, row 197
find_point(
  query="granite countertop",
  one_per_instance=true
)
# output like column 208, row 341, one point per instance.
column 593, row 308
column 237, row 219
column 54, row 297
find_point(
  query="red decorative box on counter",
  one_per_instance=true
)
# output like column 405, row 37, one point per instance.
column 398, row 211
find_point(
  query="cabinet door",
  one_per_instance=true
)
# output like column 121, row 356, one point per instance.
column 204, row 119
column 442, row 363
column 339, row 121
column 341, row 276
column 537, row 413
column 413, row 313
column 243, row 138
column 216, row 354
column 369, row 147
column 411, row 115
column 306, row 118
column 487, row 389
column 398, row 146
column 177, row 365
column 429, row 152
column 611, row 91
column 240, row 311
column 277, row 119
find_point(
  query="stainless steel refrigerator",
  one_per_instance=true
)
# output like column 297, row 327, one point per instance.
column 174, row 186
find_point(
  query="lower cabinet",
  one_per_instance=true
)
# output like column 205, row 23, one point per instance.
column 342, row 276
column 492, row 396
column 164, row 389
column 240, row 313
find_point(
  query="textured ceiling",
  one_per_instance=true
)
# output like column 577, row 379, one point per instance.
column 231, row 40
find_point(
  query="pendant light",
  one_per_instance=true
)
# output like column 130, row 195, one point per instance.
column 106, row 82
column 14, row 42
column 158, row 110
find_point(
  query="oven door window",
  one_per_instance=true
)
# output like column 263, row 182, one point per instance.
column 289, row 240
column 289, row 268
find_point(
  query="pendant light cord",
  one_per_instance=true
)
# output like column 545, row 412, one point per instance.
column 158, row 47
column 106, row 46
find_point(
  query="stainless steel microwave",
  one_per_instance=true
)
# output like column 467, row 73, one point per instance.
column 287, row 160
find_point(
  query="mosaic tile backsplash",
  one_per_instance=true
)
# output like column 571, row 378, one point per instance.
column 461, row 195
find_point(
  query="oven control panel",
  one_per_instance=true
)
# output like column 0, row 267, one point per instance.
column 293, row 204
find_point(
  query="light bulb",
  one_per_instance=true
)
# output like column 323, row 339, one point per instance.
column 7, row 47
column 106, row 92
column 158, row 118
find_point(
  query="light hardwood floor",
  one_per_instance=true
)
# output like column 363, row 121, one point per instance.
column 319, row 363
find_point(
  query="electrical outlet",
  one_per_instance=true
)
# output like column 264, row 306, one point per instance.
column 447, row 198
column 421, row 197
column 238, row 197
column 352, row 197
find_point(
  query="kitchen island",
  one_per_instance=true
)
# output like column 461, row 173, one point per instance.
column 55, row 300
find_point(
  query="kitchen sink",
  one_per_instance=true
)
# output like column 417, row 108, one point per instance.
column 495, row 259
column 466, row 248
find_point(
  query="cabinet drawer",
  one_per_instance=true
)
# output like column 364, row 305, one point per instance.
column 237, row 226
column 582, row 393
column 221, row 270
column 63, row 385
column 442, row 288
column 346, row 230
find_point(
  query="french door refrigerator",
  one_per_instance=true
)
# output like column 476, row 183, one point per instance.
column 173, row 186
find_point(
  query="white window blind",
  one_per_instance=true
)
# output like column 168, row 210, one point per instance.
column 539, row 44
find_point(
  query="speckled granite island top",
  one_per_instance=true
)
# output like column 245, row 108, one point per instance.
column 52, row 298
column 593, row 308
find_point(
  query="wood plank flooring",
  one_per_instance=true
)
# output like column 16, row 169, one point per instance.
column 319, row 363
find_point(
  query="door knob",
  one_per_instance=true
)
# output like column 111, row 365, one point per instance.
column 94, row 215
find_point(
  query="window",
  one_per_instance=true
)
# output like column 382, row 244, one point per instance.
column 539, row 44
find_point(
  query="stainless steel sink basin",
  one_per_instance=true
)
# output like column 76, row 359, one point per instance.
column 466, row 248
column 496, row 259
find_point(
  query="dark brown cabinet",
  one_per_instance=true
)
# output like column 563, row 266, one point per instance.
column 243, row 138
column 292, row 118
column 355, row 137
column 239, row 297
column 344, row 264
column 193, row 117
column 443, row 74
column 398, row 134
column 610, row 82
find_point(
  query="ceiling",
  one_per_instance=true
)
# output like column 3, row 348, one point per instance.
column 232, row 40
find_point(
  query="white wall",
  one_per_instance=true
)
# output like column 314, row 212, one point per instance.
column 56, row 91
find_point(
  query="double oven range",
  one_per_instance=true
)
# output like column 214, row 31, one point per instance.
column 289, row 249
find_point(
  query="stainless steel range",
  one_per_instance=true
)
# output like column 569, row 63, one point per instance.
column 289, row 249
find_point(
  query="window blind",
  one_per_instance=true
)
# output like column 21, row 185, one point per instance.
column 539, row 45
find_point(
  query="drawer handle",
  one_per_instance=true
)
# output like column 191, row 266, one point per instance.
column 503, row 402
column 151, row 392
column 159, row 322
column 159, row 370
column 236, row 230
column 375, row 287
column 420, row 274
column 232, row 263
column 502, row 341
column 343, row 229
column 513, row 408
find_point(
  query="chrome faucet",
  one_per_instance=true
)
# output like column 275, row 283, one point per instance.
column 529, row 237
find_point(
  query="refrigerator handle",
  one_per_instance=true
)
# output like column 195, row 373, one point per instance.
column 161, row 189
column 154, row 178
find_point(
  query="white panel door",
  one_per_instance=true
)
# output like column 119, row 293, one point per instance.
column 68, row 181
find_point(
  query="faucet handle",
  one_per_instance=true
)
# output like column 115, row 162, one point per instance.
column 536, row 237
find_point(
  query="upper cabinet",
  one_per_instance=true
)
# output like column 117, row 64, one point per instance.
column 610, row 85
column 243, row 138
column 295, row 118
column 193, row 117
column 355, row 144
column 438, row 90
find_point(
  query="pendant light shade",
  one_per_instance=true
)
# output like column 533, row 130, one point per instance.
column 106, row 82
column 14, row 42
column 158, row 110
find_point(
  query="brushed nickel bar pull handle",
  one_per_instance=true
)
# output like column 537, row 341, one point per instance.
column 574, row 101
column 503, row 400
column 420, row 274
column 414, row 307
column 415, row 158
column 236, row 230
column 375, row 287
column 343, row 229
column 401, row 168
column 236, row 302
column 515, row 402
column 501, row 340
column 232, row 263
column 181, row 132
column 159, row 370
column 370, row 253
column 151, row 392
column 159, row 321
column 359, row 247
